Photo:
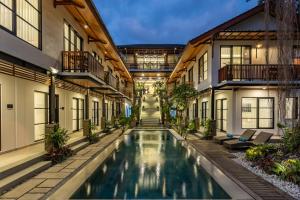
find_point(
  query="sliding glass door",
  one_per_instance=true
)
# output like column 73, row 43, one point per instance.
column 222, row 114
column 78, row 113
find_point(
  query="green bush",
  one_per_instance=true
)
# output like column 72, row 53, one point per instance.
column 207, row 128
column 288, row 170
column 192, row 127
column 92, row 136
column 259, row 152
column 291, row 139
column 57, row 141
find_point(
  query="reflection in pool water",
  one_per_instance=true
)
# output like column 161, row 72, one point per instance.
column 150, row 165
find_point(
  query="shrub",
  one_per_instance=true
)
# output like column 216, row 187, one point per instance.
column 92, row 136
column 259, row 152
column 207, row 128
column 288, row 170
column 291, row 139
column 57, row 141
column 192, row 127
column 124, row 121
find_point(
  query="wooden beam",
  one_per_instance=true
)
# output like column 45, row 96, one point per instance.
column 106, row 58
column 68, row 2
column 190, row 60
column 91, row 39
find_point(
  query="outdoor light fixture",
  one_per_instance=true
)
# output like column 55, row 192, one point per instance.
column 264, row 88
column 258, row 46
column 158, row 74
column 53, row 70
column 143, row 74
column 86, row 26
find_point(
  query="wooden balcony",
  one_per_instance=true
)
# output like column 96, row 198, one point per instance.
column 150, row 67
column 257, row 72
column 111, row 80
column 81, row 62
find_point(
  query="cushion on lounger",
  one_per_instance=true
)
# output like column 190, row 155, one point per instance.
column 229, row 135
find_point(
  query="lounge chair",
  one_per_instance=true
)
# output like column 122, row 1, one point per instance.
column 261, row 138
column 246, row 135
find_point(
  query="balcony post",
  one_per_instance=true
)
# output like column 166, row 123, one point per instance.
column 87, row 104
column 52, row 99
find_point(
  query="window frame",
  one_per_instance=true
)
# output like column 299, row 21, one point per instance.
column 96, row 113
column 257, row 113
column 222, row 119
column 231, row 53
column 204, row 112
column 201, row 68
column 15, row 16
column 191, row 74
column 76, row 37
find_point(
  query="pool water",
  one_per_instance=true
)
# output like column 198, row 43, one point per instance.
column 150, row 165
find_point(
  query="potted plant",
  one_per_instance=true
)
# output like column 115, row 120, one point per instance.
column 191, row 127
column 124, row 121
column 93, row 135
column 208, row 129
column 57, row 140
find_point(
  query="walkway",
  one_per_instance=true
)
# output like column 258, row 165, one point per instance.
column 257, row 187
column 46, row 182
column 19, row 155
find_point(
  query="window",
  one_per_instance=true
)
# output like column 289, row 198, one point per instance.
column 258, row 112
column 191, row 75
column 78, row 113
column 236, row 55
column 183, row 80
column 23, row 19
column 291, row 108
column 204, row 111
column 202, row 68
column 222, row 109
column 41, row 113
column 95, row 113
column 72, row 40
column 296, row 55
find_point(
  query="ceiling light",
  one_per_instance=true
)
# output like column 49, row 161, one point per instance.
column 143, row 74
column 85, row 26
column 158, row 74
column 264, row 88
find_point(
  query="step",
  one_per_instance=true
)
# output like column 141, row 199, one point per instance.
column 79, row 146
column 28, row 172
column 21, row 164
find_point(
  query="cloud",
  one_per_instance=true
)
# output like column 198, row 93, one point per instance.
column 165, row 21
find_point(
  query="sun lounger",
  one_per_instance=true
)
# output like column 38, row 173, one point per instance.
column 246, row 135
column 261, row 138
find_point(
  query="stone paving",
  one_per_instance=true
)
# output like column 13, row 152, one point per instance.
column 41, row 185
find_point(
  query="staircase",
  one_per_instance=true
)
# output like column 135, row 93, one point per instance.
column 150, row 114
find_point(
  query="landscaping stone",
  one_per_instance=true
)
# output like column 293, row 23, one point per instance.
column 288, row 187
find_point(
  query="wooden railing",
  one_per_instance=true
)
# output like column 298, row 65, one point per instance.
column 150, row 67
column 258, row 72
column 110, row 80
column 82, row 61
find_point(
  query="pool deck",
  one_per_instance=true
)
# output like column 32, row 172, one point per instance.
column 45, row 183
column 254, row 185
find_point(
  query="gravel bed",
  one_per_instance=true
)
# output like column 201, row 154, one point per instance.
column 288, row 187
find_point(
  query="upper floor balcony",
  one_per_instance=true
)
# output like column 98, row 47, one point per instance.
column 258, row 73
column 81, row 62
column 151, row 67
column 111, row 80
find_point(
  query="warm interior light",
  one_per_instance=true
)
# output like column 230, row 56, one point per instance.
column 259, row 45
column 158, row 74
column 264, row 88
column 143, row 74
column 85, row 26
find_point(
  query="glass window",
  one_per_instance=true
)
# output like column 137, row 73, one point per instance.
column 222, row 114
column 77, row 113
column 204, row 111
column 235, row 55
column 258, row 112
column 296, row 55
column 23, row 20
column 95, row 113
column 191, row 75
column 41, row 113
column 6, row 14
column 202, row 68
column 72, row 40
column 291, row 108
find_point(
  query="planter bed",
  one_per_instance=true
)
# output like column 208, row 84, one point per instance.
column 290, row 188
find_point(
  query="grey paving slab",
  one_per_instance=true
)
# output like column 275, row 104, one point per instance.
column 55, row 169
column 76, row 164
column 49, row 183
column 43, row 190
column 23, row 188
column 31, row 197
column 47, row 175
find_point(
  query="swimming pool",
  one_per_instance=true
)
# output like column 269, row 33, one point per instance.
column 150, row 165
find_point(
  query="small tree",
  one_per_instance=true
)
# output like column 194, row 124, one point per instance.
column 161, row 91
column 182, row 95
column 124, row 121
